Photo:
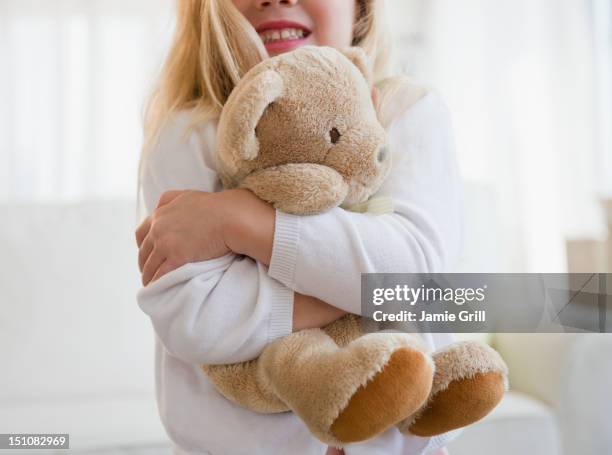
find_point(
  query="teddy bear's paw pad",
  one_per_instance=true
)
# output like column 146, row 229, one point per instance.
column 462, row 403
column 395, row 392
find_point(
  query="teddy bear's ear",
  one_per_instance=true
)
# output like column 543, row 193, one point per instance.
column 360, row 59
column 241, row 114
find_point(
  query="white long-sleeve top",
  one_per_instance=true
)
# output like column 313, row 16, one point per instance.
column 226, row 310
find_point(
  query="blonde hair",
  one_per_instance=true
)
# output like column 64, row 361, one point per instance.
column 214, row 46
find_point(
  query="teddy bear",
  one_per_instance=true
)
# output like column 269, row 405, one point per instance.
column 300, row 130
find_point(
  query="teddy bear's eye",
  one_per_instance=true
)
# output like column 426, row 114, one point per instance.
column 334, row 135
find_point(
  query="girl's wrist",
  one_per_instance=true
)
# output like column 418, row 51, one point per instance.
column 248, row 226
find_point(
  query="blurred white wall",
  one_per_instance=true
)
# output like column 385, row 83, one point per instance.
column 529, row 88
column 74, row 77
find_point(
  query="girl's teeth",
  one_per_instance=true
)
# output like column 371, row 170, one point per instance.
column 280, row 35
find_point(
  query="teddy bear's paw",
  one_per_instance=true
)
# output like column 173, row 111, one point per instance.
column 399, row 386
column 469, row 382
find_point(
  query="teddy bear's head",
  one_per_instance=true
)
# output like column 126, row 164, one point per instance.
column 300, row 130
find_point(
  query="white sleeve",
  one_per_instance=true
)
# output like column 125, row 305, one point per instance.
column 213, row 312
column 324, row 255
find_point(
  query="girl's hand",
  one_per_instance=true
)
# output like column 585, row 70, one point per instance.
column 187, row 226
column 191, row 226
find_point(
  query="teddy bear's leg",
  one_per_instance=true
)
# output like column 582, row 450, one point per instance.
column 298, row 188
column 241, row 384
column 348, row 394
column 345, row 330
column 470, row 380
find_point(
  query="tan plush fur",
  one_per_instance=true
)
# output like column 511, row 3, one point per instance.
column 463, row 360
column 301, row 132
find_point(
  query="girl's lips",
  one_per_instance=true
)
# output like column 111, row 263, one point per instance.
column 279, row 25
column 285, row 45
column 272, row 32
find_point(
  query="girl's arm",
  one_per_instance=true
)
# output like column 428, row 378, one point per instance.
column 324, row 255
column 227, row 309
column 310, row 312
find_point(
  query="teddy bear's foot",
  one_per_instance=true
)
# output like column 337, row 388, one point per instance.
column 470, row 380
column 353, row 393
column 397, row 390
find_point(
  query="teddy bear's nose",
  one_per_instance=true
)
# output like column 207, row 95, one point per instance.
column 381, row 154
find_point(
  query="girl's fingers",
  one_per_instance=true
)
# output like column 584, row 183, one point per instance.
column 376, row 98
column 144, row 253
column 166, row 267
column 143, row 230
column 155, row 260
column 169, row 196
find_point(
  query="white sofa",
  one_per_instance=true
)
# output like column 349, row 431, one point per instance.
column 560, row 399
column 77, row 352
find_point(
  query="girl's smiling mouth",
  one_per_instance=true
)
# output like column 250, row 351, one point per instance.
column 282, row 35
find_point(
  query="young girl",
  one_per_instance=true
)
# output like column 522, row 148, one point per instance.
column 224, row 273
